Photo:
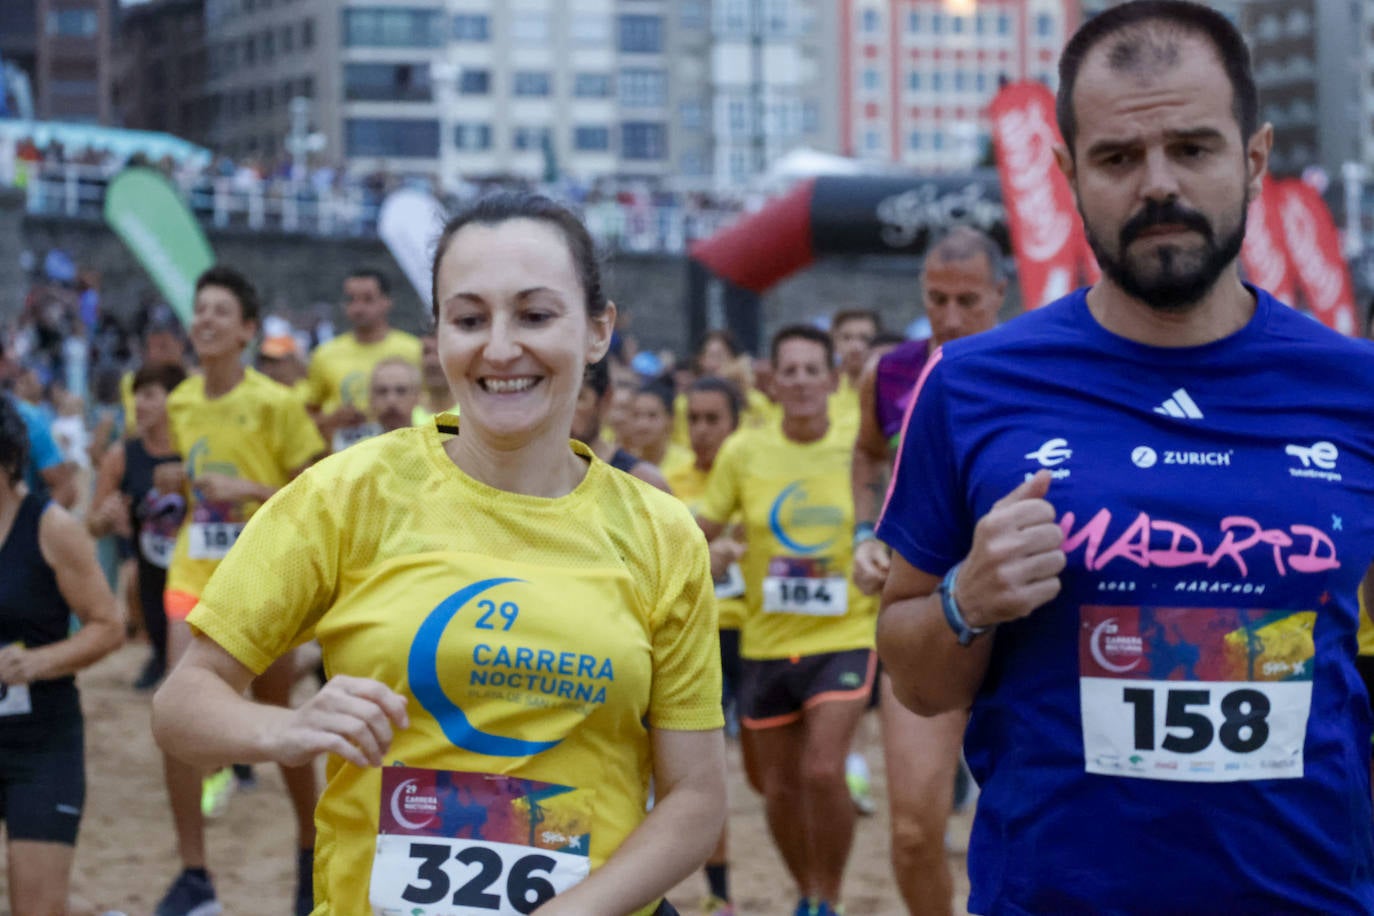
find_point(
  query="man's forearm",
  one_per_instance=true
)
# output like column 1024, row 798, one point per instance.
column 869, row 479
column 931, row 673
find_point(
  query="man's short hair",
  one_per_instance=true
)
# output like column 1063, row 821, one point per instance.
column 369, row 273
column 963, row 242
column 1145, row 34
column 844, row 316
column 397, row 361
column 803, row 332
column 230, row 279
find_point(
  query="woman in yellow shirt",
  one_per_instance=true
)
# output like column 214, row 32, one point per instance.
column 518, row 637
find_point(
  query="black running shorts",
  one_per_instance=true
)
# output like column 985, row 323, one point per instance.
column 43, row 785
column 777, row 691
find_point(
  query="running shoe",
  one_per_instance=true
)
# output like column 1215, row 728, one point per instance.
column 714, row 906
column 191, row 894
column 215, row 791
column 856, row 776
column 244, row 778
column 807, row 906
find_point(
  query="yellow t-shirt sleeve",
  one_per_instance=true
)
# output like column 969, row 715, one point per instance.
column 721, row 499
column 316, row 381
column 126, row 399
column 298, row 437
column 685, row 695
column 269, row 592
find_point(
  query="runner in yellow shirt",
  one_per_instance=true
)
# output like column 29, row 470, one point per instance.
column 435, row 397
column 394, row 393
column 340, row 369
column 713, row 409
column 505, row 679
column 853, row 332
column 650, row 428
column 241, row 436
column 807, row 644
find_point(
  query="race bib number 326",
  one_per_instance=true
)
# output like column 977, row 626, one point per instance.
column 1195, row 694
column 460, row 844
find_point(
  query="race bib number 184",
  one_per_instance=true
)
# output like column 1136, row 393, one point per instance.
column 461, row 844
column 1195, row 694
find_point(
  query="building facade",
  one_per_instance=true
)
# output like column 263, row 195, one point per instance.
column 917, row 75
column 73, row 67
column 160, row 69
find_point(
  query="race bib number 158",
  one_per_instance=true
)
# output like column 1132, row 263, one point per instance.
column 1195, row 694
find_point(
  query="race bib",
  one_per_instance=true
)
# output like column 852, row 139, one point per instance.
column 1195, row 694
column 156, row 548
column 212, row 540
column 730, row 585
column 350, row 435
column 461, row 844
column 14, row 700
column 804, row 585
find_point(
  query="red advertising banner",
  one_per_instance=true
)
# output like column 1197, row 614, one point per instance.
column 1314, row 247
column 1265, row 252
column 1046, row 233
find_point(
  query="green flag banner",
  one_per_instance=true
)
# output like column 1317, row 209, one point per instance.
column 144, row 210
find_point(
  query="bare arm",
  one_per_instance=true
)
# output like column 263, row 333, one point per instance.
column 675, row 838
column 69, row 550
column 200, row 714
column 1367, row 591
column 648, row 472
column 1011, row 569
column 61, row 481
column 869, row 473
column 109, row 507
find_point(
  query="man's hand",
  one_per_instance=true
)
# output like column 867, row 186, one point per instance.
column 724, row 551
column 169, row 477
column 112, row 515
column 221, row 488
column 872, row 561
column 347, row 415
column 1014, row 564
column 19, row 665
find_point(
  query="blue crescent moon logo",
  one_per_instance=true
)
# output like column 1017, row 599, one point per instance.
column 775, row 523
column 423, row 670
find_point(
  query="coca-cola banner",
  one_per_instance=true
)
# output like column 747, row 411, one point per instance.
column 1315, row 249
column 1265, row 253
column 1046, row 233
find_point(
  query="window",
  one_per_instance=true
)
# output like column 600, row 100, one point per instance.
column 982, row 81
column 526, row 137
column 956, row 24
column 250, row 49
column 590, row 29
column 738, row 115
column 269, row 45
column 871, row 21
column 531, row 83
column 913, row 23
column 693, row 164
column 960, row 81
column 471, row 137
column 530, row 28
column 937, row 23
column 980, row 24
column 387, row 83
column 474, row 82
column 308, row 33
column 913, row 80
column 73, row 23
column 471, row 27
column 692, row 115
column 811, row 117
column 592, row 85
column 643, row 140
column 733, row 17
column 872, row 142
column 1003, row 23
column 915, row 141
column 937, row 81
column 871, row 79
column 591, row 139
column 641, row 34
column 776, row 18
column 387, row 28
column 391, row 137
column 1044, row 25
column 643, row 88
column 938, row 141
column 288, row 38
column 692, row 14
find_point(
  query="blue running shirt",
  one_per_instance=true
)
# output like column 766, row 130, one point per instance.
column 1182, row 730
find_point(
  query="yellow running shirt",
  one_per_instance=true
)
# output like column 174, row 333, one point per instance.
column 688, row 484
column 844, row 408
column 799, row 532
column 259, row 431
column 341, row 373
column 758, row 412
column 538, row 639
column 1365, row 635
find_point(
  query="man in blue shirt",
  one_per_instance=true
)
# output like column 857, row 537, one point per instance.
column 1129, row 528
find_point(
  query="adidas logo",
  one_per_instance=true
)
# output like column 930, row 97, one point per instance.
column 1181, row 406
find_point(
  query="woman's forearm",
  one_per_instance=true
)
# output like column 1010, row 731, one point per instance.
column 201, row 719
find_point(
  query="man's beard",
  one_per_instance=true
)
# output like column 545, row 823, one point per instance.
column 1173, row 279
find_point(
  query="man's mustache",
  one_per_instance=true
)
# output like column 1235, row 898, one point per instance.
column 1164, row 214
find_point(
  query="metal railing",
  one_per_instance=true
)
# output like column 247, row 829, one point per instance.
column 299, row 207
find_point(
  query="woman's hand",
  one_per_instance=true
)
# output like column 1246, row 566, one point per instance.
column 352, row 717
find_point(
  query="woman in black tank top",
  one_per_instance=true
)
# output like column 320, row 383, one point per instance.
column 48, row 572
column 128, row 502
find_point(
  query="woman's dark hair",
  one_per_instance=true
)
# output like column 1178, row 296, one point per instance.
column 495, row 209
column 661, row 390
column 236, row 283
column 722, row 335
column 14, row 441
column 168, row 376
column 713, row 383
